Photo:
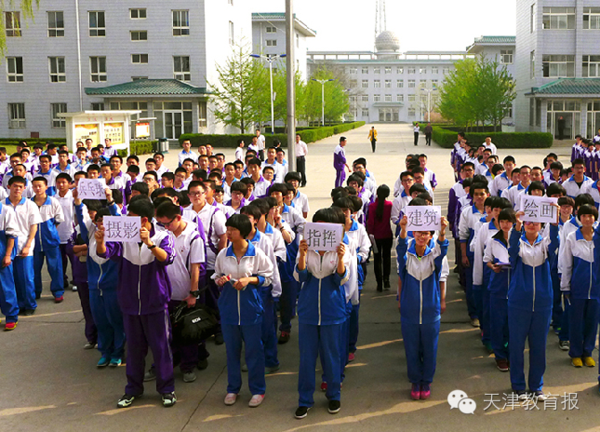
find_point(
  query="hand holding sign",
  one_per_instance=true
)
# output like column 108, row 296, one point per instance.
column 323, row 236
column 538, row 209
column 124, row 229
column 91, row 189
column 423, row 218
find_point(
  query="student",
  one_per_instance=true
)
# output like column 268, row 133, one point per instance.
column 240, row 271
column 578, row 183
column 186, row 153
column 48, row 173
column 64, row 197
column 513, row 194
column 144, row 292
column 321, row 313
column 282, row 163
column 420, row 265
column 529, row 304
column 239, row 151
column 339, row 162
column 260, row 184
column 378, row 227
column 300, row 200
column 579, row 284
column 8, row 296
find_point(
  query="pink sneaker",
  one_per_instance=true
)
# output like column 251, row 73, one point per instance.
column 425, row 391
column 323, row 386
column 350, row 357
column 415, row 392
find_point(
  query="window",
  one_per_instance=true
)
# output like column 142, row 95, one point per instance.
column 270, row 29
column 558, row 18
column 376, row 98
column 422, row 70
column 399, row 98
column 365, row 70
column 137, row 13
column 388, row 97
column 352, row 98
column 98, row 69
column 56, row 108
column 412, row 98
column 558, row 66
column 377, row 84
column 435, row 70
column 399, row 70
column 388, row 69
column 411, row 84
column 131, row 106
column 16, row 116
column 181, row 23
column 137, row 78
column 96, row 23
column 139, row 35
column 365, row 84
column 353, row 70
column 97, row 106
column 531, row 112
column 57, row 69
column 532, row 19
column 411, row 70
column 365, row 112
column 422, row 84
column 139, row 58
column 271, row 42
column 353, row 83
column 12, row 23
column 399, row 83
column 506, row 56
column 434, row 84
column 591, row 66
column 411, row 112
column 377, row 70
column 181, row 68
column 388, row 84
column 364, row 98
column 231, row 33
column 591, row 18
column 532, row 64
column 14, row 69
column 56, row 24
column 230, row 2
column 445, row 70
column 202, row 111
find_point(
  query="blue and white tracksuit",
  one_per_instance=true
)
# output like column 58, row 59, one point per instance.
column 360, row 240
column 469, row 218
column 481, row 275
column 9, row 305
column 321, row 315
column 47, row 244
column 420, row 312
column 530, row 298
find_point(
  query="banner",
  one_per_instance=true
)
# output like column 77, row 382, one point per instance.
column 88, row 131
column 115, row 132
column 142, row 130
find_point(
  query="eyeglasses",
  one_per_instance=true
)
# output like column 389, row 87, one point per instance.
column 196, row 194
column 165, row 225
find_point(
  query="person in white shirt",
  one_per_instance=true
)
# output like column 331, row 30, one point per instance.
column 301, row 152
column 578, row 183
column 283, row 164
column 416, row 130
column 260, row 144
column 160, row 168
column 239, row 151
column 64, row 196
column 300, row 200
column 260, row 184
column 187, row 153
column 490, row 145
column 272, row 162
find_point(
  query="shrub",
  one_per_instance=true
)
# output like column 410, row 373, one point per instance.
column 139, row 148
column 446, row 138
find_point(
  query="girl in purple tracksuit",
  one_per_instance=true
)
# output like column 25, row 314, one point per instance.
column 339, row 163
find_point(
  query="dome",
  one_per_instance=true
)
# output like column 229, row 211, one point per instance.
column 387, row 41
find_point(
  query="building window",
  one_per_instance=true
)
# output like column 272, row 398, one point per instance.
column 352, row 98
column 422, row 84
column 558, row 66
column 181, row 68
column 531, row 112
column 139, row 35
column 412, row 70
column 435, row 70
column 422, row 70
column 97, row 106
column 14, row 69
column 97, row 24
column 181, row 23
column 411, row 112
column 377, row 70
column 56, row 24
column 353, row 70
column 434, row 84
column 137, row 13
column 12, row 24
column 411, row 83
column 445, row 70
column 16, row 116
column 388, row 69
column 139, row 58
column 202, row 111
column 364, row 98
column 506, row 56
column 558, row 18
column 377, row 84
column 271, row 42
column 353, row 83
column 365, row 70
column 591, row 18
column 532, row 64
column 376, row 98
column 57, row 69
column 365, row 84
column 365, row 112
column 399, row 83
column 137, row 78
column 231, row 33
column 56, row 108
column 230, row 2
column 591, row 66
column 388, row 84
column 400, row 70
column 399, row 98
column 388, row 97
column 98, row 69
column 270, row 29
column 412, row 98
column 532, row 19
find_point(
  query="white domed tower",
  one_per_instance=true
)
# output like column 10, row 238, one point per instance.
column 387, row 45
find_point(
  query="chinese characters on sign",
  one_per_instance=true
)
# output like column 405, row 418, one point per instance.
column 91, row 189
column 122, row 229
column 538, row 209
column 423, row 218
column 323, row 236
column 114, row 131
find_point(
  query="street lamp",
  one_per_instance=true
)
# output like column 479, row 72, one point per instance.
column 270, row 59
column 322, row 82
column 429, row 90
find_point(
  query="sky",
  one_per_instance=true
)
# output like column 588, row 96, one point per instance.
column 445, row 25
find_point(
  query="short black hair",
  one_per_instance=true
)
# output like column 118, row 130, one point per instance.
column 556, row 188
column 142, row 206
column 293, row 175
column 64, row 176
column 588, row 209
column 239, row 186
column 40, row 178
column 330, row 215
column 133, row 169
column 507, row 214
column 168, row 210
column 140, row 187
column 251, row 210
column 152, row 173
column 536, row 185
column 241, row 222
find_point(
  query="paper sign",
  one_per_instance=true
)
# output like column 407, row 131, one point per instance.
column 91, row 189
column 538, row 209
column 423, row 218
column 122, row 229
column 323, row 236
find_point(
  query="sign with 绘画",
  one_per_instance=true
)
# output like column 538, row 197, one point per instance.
column 423, row 218
column 122, row 229
column 538, row 209
column 91, row 189
column 323, row 236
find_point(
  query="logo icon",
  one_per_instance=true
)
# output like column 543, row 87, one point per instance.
column 459, row 399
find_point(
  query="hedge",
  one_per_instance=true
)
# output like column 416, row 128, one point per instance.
column 446, row 138
column 136, row 147
column 455, row 128
column 139, row 148
column 231, row 141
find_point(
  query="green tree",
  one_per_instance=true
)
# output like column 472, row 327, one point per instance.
column 26, row 9
column 280, row 89
column 336, row 97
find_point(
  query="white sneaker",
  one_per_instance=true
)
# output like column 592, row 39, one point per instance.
column 256, row 400
column 230, row 398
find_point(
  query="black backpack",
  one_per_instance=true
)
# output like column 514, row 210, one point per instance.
column 193, row 325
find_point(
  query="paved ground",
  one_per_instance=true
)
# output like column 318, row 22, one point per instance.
column 51, row 384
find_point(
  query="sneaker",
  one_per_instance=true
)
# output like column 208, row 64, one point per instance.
column 125, row 401
column 10, row 326
column 219, row 339
column 379, row 289
column 323, row 387
column 425, row 391
column 350, row 357
column 488, row 347
column 89, row 346
column 576, row 361
column 28, row 312
column 522, row 395
column 256, row 400
column 244, row 367
column 415, row 392
column 475, row 322
column 334, row 406
column 74, row 288
column 271, row 369
column 202, row 364
column 540, row 395
column 189, row 377
column 557, row 330
column 103, row 362
column 150, row 375
column 386, row 284
column 284, row 338
column 116, row 362
column 230, row 399
column 502, row 365
column 589, row 362
column 564, row 345
column 301, row 412
column 169, row 399
column 58, row 299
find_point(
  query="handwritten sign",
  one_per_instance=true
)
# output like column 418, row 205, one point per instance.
column 323, row 236
column 122, row 229
column 423, row 218
column 538, row 209
column 91, row 189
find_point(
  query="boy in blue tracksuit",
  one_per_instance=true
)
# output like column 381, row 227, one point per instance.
column 419, row 268
column 580, row 287
column 321, row 315
column 8, row 294
column 530, row 298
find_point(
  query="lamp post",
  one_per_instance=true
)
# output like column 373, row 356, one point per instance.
column 322, row 82
column 428, row 90
column 270, row 59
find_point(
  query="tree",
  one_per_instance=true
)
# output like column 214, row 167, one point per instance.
column 26, row 7
column 280, row 89
column 336, row 97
